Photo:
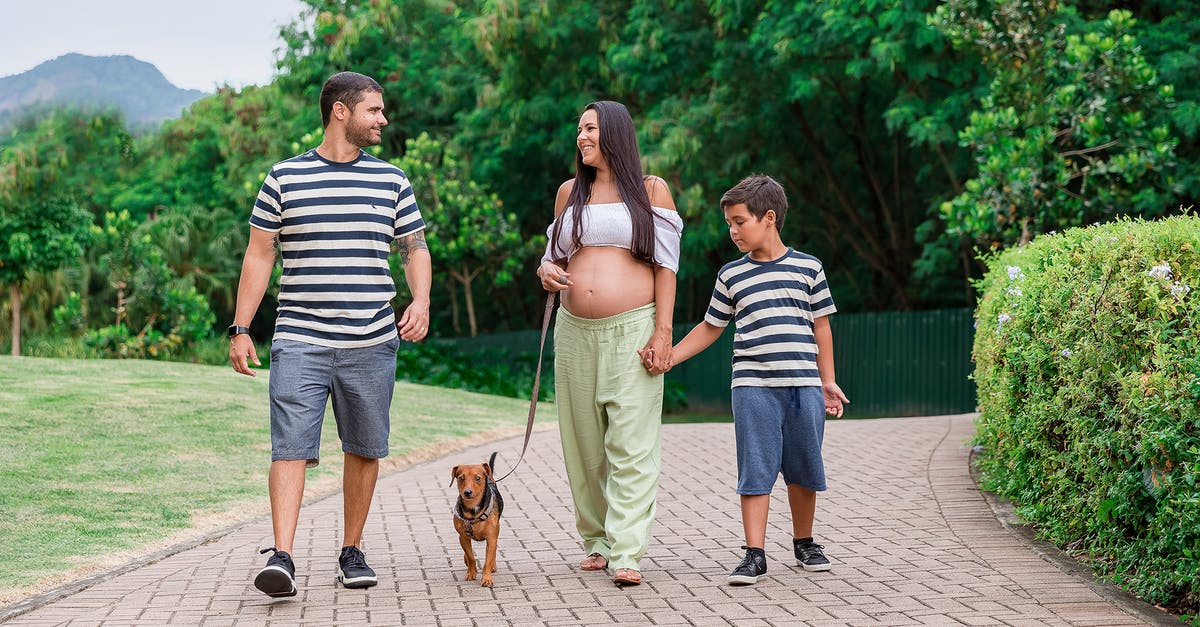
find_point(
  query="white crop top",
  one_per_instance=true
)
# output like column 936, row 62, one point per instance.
column 609, row 224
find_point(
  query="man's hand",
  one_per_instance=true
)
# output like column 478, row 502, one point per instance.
column 241, row 352
column 414, row 324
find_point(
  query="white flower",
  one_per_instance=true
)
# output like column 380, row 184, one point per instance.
column 1179, row 290
column 1161, row 272
column 1014, row 273
column 1066, row 352
column 1014, row 291
column 1000, row 320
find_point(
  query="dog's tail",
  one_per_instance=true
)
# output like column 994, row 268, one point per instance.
column 492, row 463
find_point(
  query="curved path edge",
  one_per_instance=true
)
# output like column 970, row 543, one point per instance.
column 912, row 538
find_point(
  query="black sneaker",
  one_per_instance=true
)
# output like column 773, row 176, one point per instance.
column 278, row 577
column 753, row 566
column 810, row 556
column 353, row 571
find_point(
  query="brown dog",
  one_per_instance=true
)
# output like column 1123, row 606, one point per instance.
column 477, row 514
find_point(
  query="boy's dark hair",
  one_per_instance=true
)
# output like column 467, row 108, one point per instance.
column 347, row 88
column 760, row 193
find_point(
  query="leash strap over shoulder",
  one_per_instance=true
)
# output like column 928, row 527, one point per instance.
column 537, row 379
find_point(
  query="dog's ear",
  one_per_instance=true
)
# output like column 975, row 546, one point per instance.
column 487, row 470
column 453, row 474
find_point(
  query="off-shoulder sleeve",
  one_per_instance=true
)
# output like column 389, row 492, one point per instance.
column 668, row 228
column 548, row 255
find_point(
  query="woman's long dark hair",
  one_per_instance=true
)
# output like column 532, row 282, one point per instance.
column 618, row 145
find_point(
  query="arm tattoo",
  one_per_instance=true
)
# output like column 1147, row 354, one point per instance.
column 409, row 243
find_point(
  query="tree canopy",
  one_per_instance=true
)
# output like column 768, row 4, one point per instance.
column 910, row 136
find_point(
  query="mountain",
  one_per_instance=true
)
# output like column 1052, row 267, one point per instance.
column 136, row 88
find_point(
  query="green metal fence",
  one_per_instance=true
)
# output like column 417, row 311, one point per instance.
column 888, row 363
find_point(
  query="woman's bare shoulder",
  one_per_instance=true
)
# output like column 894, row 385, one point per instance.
column 564, row 192
column 659, row 192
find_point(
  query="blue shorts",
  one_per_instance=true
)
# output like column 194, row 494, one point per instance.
column 779, row 429
column 303, row 378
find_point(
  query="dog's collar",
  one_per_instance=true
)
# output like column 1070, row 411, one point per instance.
column 485, row 509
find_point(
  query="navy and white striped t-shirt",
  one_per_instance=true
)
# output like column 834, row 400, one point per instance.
column 336, row 223
column 772, row 305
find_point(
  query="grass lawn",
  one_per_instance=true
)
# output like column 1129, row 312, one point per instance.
column 105, row 460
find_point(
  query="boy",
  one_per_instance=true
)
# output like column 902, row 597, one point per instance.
column 782, row 369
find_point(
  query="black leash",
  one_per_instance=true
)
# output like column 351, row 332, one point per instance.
column 537, row 379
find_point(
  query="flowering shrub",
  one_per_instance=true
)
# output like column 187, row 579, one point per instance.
column 1087, row 355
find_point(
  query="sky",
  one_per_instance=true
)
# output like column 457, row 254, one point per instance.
column 197, row 44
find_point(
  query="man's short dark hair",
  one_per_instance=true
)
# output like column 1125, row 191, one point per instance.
column 760, row 193
column 348, row 88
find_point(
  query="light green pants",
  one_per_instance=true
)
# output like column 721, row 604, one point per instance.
column 610, row 418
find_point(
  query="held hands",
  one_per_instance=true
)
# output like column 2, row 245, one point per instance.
column 834, row 399
column 554, row 278
column 656, row 355
column 241, row 352
column 414, row 324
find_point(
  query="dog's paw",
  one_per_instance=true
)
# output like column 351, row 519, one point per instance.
column 471, row 574
column 487, row 581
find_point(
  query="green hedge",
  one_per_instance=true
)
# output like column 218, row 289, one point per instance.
column 1087, row 353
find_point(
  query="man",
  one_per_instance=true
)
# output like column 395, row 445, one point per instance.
column 334, row 212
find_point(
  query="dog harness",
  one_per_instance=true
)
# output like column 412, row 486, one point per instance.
column 486, row 508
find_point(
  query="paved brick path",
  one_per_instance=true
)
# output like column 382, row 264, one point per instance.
column 912, row 540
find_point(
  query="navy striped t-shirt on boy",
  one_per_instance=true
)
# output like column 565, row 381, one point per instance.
column 772, row 305
column 335, row 224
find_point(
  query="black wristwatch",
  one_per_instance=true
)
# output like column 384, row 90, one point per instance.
column 235, row 330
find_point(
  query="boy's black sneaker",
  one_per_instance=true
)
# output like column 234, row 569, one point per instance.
column 753, row 566
column 353, row 571
column 810, row 556
column 278, row 577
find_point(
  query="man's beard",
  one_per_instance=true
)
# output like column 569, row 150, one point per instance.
column 362, row 136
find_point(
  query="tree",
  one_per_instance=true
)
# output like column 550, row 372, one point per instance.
column 1073, row 129
column 469, row 233
column 155, row 312
column 420, row 51
column 213, row 156
column 1168, row 34
column 78, row 153
column 849, row 104
column 203, row 245
column 48, row 187
column 37, row 236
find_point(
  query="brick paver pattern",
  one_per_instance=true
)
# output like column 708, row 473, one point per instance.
column 912, row 540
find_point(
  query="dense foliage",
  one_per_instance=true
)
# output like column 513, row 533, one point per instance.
column 1088, row 370
column 1074, row 127
column 470, row 232
column 909, row 134
column 903, row 131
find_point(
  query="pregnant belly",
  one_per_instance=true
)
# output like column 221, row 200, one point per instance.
column 607, row 281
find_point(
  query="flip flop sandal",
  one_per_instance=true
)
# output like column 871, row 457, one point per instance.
column 595, row 561
column 627, row 577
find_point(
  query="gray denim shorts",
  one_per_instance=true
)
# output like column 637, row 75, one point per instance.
column 303, row 379
column 779, row 430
